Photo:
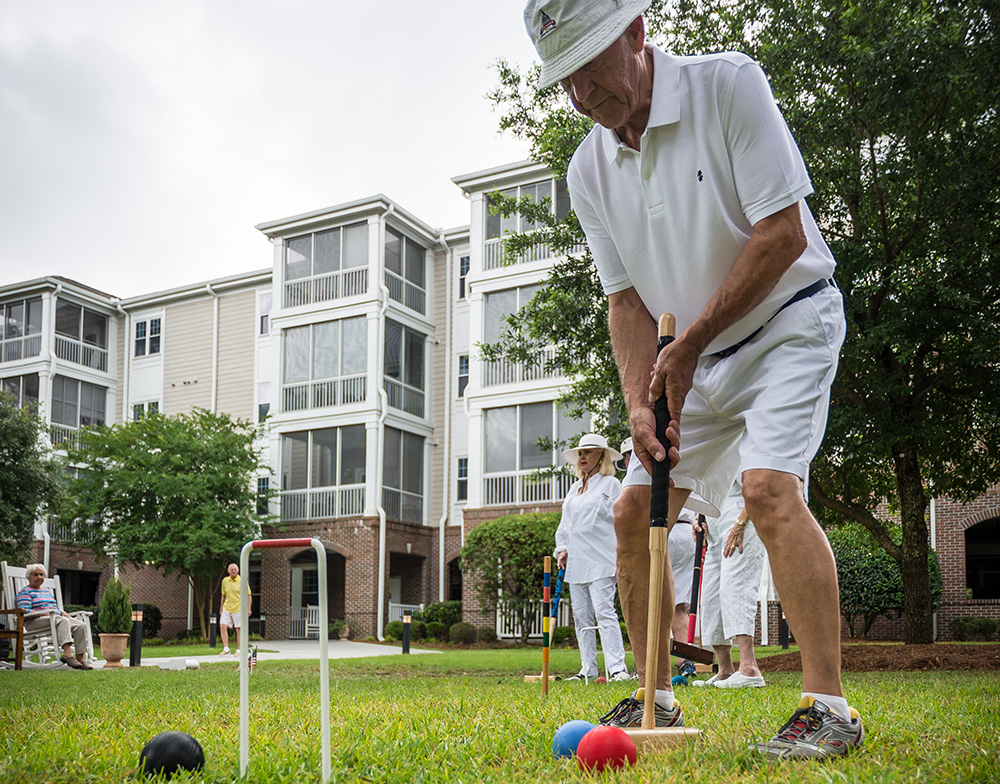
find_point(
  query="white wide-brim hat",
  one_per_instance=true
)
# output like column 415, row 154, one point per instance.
column 568, row 34
column 626, row 446
column 590, row 441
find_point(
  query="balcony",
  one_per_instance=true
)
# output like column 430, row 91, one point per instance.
column 404, row 292
column 24, row 347
column 403, row 506
column 82, row 354
column 323, row 503
column 63, row 436
column 404, row 397
column 493, row 253
column 524, row 487
column 322, row 394
column 323, row 288
column 504, row 372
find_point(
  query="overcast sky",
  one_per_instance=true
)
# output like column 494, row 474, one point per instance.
column 141, row 142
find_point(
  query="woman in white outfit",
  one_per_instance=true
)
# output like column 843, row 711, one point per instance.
column 585, row 547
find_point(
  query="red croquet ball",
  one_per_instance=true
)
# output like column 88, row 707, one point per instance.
column 602, row 679
column 606, row 747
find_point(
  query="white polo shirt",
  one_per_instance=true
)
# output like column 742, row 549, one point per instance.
column 671, row 219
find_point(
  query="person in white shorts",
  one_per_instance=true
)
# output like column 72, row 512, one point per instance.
column 691, row 193
column 229, row 610
column 734, row 561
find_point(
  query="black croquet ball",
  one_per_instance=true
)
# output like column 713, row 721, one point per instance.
column 170, row 752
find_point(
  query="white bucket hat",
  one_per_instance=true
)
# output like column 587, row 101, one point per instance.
column 627, row 445
column 590, row 441
column 568, row 34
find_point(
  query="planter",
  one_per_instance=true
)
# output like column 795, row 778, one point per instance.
column 113, row 648
column 345, row 633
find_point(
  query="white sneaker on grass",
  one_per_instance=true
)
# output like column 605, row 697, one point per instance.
column 713, row 681
column 740, row 681
column 224, row 651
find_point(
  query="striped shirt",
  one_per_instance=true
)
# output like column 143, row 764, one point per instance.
column 35, row 599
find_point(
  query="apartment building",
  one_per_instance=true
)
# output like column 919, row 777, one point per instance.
column 388, row 439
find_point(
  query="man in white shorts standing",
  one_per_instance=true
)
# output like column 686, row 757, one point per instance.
column 229, row 612
column 690, row 191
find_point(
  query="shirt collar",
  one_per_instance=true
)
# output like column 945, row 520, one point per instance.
column 665, row 106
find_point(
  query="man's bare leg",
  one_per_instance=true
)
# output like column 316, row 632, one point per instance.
column 679, row 625
column 632, row 532
column 748, row 659
column 804, row 571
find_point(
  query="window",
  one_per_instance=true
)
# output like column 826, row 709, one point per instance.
column 500, row 304
column 404, row 354
column 982, row 559
column 326, row 350
column 80, row 323
column 147, row 337
column 20, row 329
column 265, row 314
column 462, row 474
column 323, row 458
column 139, row 410
column 497, row 225
column 23, row 389
column 512, row 434
column 263, row 400
column 463, row 271
column 463, row 373
column 325, row 252
column 404, row 257
column 77, row 403
column 263, row 487
column 403, row 475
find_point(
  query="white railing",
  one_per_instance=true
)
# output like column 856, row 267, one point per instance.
column 493, row 253
column 403, row 506
column 504, row 372
column 82, row 354
column 60, row 435
column 509, row 628
column 323, row 503
column 404, row 397
column 303, row 623
column 406, row 293
column 522, row 487
column 323, row 288
column 24, row 347
column 323, row 394
column 397, row 611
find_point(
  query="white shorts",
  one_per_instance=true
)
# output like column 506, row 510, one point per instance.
column 680, row 545
column 763, row 407
column 230, row 619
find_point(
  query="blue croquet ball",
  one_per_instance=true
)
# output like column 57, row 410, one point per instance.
column 568, row 736
column 170, row 752
column 679, row 680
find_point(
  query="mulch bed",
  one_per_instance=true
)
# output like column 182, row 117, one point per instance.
column 881, row 658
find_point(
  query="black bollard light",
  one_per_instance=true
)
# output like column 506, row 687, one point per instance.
column 135, row 637
column 782, row 629
column 262, row 634
column 406, row 634
column 213, row 626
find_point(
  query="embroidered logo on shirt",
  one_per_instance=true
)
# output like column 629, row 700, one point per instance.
column 548, row 25
column 700, row 177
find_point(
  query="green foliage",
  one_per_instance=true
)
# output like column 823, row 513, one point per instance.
column 970, row 628
column 504, row 558
column 27, row 478
column 115, row 615
column 871, row 583
column 893, row 104
column 487, row 635
column 563, row 635
column 394, row 630
column 174, row 492
column 418, row 630
column 445, row 613
column 152, row 620
column 462, row 633
column 437, row 630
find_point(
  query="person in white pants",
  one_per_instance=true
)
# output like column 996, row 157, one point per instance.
column 585, row 547
column 730, row 581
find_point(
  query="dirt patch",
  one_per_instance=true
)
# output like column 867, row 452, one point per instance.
column 881, row 658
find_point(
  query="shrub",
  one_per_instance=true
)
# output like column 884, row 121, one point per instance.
column 437, row 630
column 152, row 620
column 152, row 640
column 487, row 635
column 394, row 630
column 418, row 630
column 563, row 635
column 445, row 613
column 462, row 633
column 624, row 632
column 115, row 616
column 968, row 628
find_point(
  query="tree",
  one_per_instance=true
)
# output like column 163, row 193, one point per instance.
column 893, row 104
column 503, row 560
column 27, row 478
column 871, row 583
column 175, row 492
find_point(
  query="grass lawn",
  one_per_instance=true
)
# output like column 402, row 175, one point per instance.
column 467, row 716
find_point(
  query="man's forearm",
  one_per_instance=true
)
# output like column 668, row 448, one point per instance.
column 633, row 338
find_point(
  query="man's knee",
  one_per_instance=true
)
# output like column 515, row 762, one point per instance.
column 772, row 498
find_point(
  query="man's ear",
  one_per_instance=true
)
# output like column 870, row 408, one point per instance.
column 636, row 34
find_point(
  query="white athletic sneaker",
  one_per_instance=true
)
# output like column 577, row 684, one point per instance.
column 224, row 651
column 710, row 682
column 740, row 681
column 621, row 675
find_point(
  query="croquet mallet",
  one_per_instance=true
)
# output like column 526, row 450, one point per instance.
column 689, row 650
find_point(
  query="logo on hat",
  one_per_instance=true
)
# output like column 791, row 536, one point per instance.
column 548, row 25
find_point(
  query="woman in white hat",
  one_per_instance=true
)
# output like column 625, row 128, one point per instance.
column 585, row 546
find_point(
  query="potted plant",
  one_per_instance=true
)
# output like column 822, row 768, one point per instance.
column 115, row 621
column 340, row 628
